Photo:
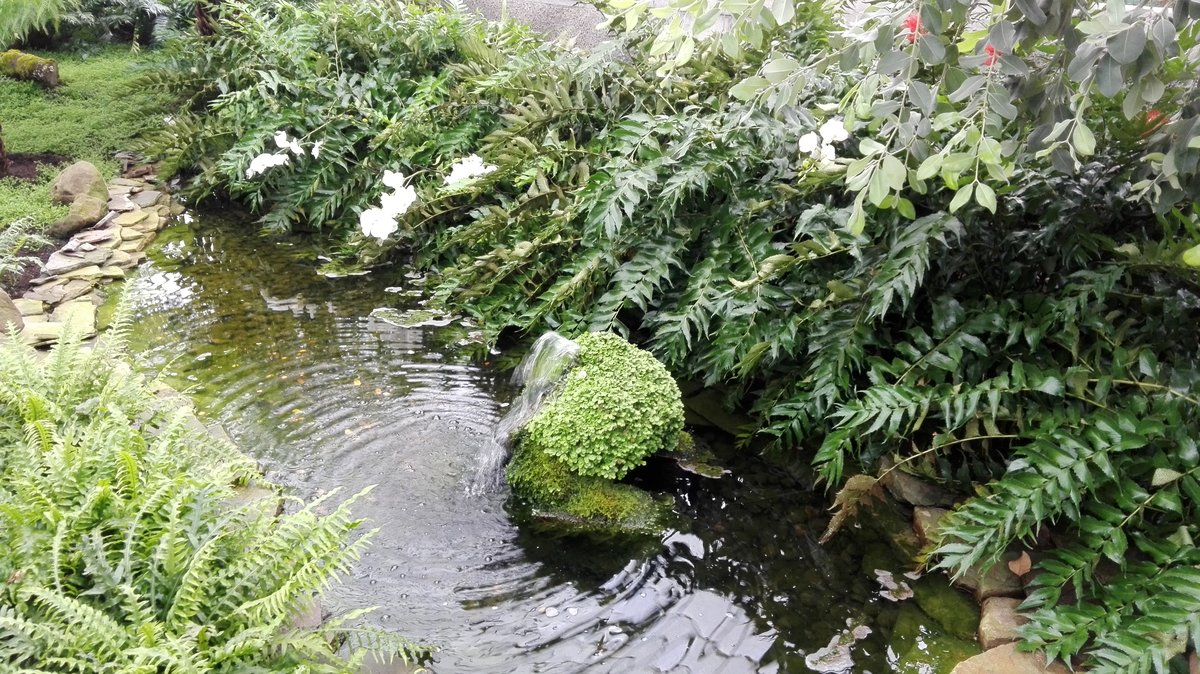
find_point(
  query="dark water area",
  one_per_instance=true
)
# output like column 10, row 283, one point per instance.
column 327, row 397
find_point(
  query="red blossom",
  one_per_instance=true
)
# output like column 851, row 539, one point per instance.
column 912, row 27
column 993, row 55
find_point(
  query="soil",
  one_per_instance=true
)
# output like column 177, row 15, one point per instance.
column 16, row 285
column 27, row 166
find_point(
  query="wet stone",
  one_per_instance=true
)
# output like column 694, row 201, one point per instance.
column 63, row 263
column 998, row 581
column 999, row 622
column 1007, row 659
column 38, row 333
column 926, row 521
column 147, row 198
column 29, row 307
column 131, row 218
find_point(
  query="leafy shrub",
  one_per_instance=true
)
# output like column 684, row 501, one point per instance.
column 1034, row 345
column 121, row 546
column 616, row 407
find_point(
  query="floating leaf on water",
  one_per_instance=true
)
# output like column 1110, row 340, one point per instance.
column 413, row 318
column 893, row 590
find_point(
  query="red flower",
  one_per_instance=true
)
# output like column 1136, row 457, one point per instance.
column 1155, row 119
column 992, row 55
column 912, row 27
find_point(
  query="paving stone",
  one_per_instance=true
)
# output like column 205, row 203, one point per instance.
column 147, row 198
column 131, row 218
column 30, row 307
column 37, row 334
column 1007, row 659
column 999, row 622
column 61, row 263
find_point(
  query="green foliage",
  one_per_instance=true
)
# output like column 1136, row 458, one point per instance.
column 617, row 406
column 18, row 237
column 1035, row 345
column 120, row 545
column 20, row 17
column 29, row 201
column 98, row 109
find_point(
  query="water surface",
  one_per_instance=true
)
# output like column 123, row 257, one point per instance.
column 327, row 397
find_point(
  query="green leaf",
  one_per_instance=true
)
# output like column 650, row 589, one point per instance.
column 1125, row 47
column 961, row 197
column 985, row 196
column 778, row 70
column 930, row 167
column 1083, row 139
column 1164, row 476
column 749, row 88
column 1191, row 256
column 967, row 88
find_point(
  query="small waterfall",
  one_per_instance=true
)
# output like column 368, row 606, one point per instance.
column 551, row 356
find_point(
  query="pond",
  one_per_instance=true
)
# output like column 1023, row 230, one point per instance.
column 327, row 397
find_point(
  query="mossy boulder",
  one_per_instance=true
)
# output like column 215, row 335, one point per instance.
column 616, row 407
column 22, row 66
column 78, row 179
column 549, row 487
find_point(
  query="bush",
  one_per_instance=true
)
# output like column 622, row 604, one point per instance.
column 617, row 406
column 122, row 547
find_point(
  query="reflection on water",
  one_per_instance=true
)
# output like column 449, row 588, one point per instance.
column 327, row 397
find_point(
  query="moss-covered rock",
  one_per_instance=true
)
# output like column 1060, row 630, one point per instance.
column 22, row 66
column 616, row 407
column 956, row 613
column 549, row 487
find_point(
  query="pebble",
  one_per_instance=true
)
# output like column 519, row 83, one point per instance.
column 551, row 612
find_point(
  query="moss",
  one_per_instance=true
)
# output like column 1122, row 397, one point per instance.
column 956, row 613
column 616, row 407
column 549, row 486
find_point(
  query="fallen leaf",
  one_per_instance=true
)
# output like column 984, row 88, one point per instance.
column 1021, row 565
column 358, row 382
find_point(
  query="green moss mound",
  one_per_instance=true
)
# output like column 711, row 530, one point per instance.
column 549, row 486
column 616, row 407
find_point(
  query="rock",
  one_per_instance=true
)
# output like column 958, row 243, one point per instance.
column 132, row 246
column 90, row 272
column 131, row 218
column 954, row 611
column 36, row 334
column 149, row 224
column 926, row 521
column 121, row 203
column 177, row 209
column 80, row 315
column 707, row 408
column 94, row 236
column 80, row 178
column 85, row 211
column 1007, row 660
column 936, row 655
column 254, row 498
column 112, row 272
column 50, row 293
column 999, row 622
column 37, row 318
column 11, row 316
column 129, row 234
column 911, row 489
column 998, row 581
column 61, row 263
column 76, row 288
column 126, row 260
column 27, row 307
column 126, row 182
column 146, row 199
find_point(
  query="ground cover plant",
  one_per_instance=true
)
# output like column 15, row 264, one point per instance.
column 962, row 244
column 123, row 544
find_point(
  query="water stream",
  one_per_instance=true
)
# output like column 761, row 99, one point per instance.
column 327, row 396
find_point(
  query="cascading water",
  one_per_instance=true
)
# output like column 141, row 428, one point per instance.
column 537, row 375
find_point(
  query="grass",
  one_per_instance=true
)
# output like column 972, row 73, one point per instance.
column 97, row 111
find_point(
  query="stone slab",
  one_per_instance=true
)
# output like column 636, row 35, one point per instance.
column 999, row 622
column 131, row 218
column 30, row 307
column 60, row 263
column 146, row 198
column 36, row 334
column 1007, row 659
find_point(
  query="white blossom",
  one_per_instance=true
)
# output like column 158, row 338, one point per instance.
column 466, row 169
column 834, row 131
column 264, row 161
column 809, row 142
column 377, row 222
column 285, row 143
column 397, row 203
column 826, row 153
column 316, row 149
column 394, row 179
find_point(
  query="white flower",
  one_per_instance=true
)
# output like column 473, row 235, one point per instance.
column 826, row 154
column 285, row 143
column 394, row 179
column 468, row 168
column 398, row 202
column 833, row 131
column 809, row 142
column 316, row 149
column 377, row 222
column 265, row 161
